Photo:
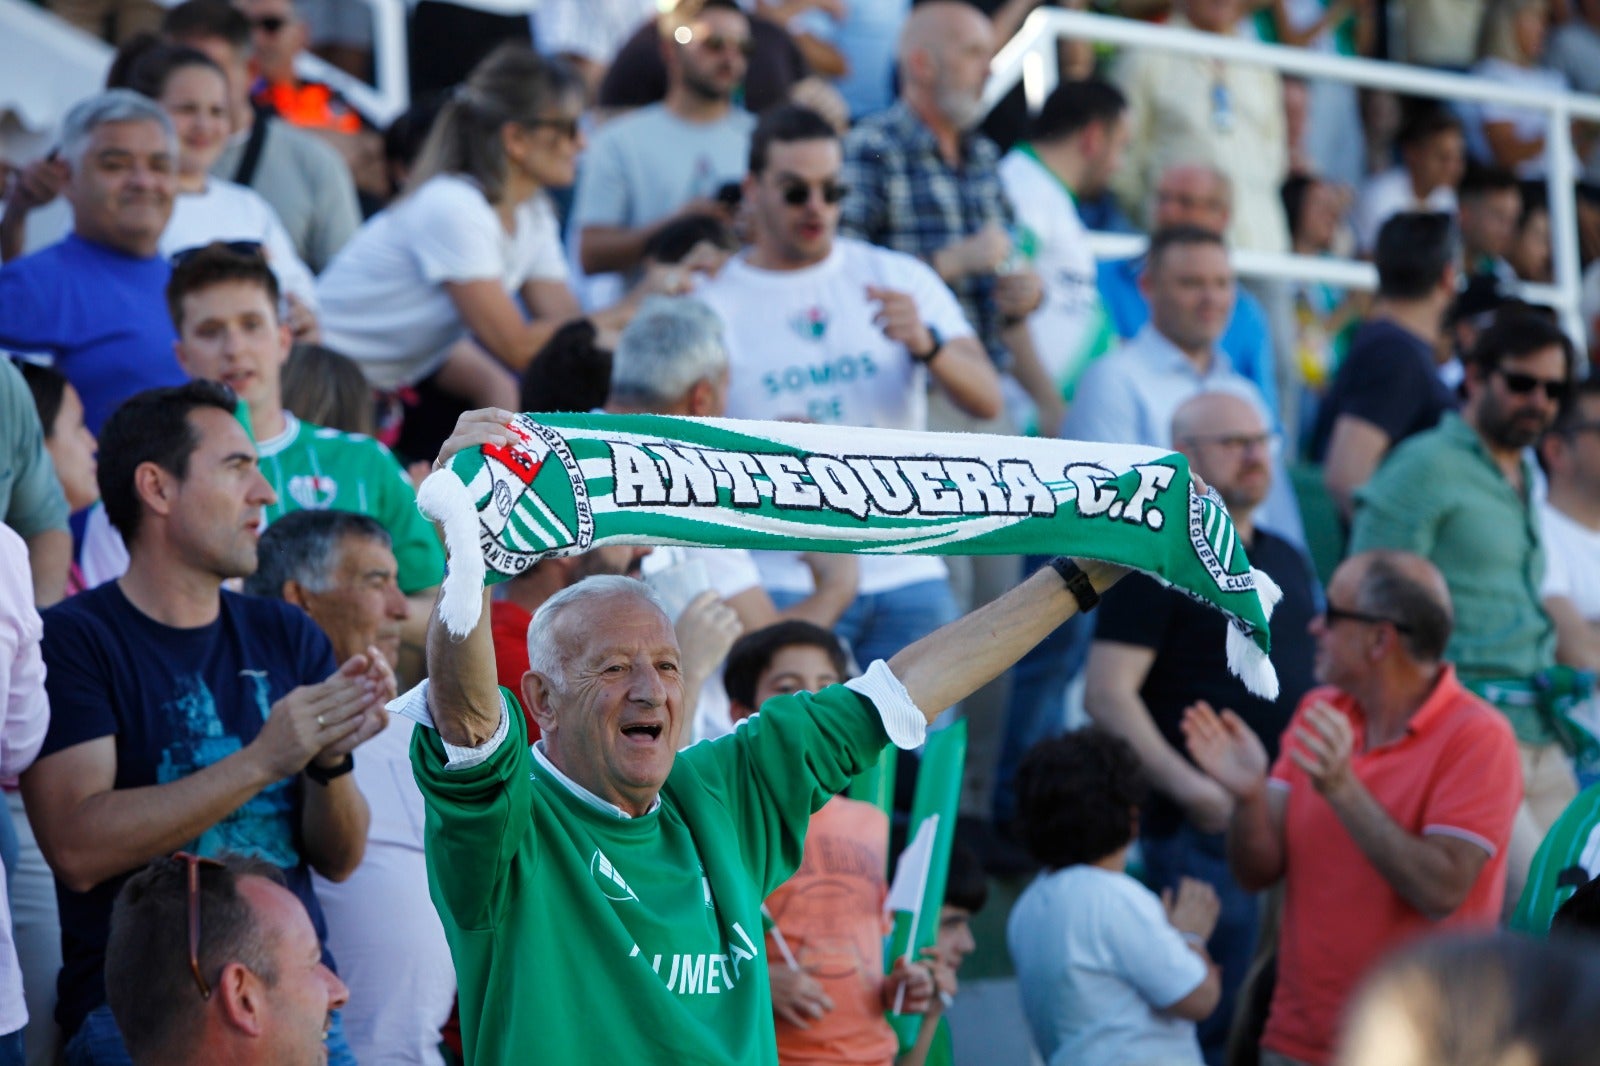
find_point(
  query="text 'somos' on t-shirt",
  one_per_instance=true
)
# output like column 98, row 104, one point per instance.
column 802, row 344
column 176, row 701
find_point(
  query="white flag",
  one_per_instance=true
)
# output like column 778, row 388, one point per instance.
column 911, row 875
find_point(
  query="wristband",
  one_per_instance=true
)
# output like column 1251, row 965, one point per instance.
column 1077, row 582
column 323, row 775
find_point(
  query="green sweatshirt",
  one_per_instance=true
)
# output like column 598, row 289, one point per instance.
column 580, row 936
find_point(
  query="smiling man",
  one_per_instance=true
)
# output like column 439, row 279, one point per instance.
column 185, row 715
column 92, row 302
column 605, row 867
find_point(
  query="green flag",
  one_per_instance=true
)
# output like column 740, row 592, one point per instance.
column 568, row 483
column 925, row 863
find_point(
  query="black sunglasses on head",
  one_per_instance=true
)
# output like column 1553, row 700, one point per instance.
column 798, row 194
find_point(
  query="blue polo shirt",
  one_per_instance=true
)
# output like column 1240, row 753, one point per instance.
column 99, row 314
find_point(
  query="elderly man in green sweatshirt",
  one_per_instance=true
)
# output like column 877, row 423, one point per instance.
column 601, row 891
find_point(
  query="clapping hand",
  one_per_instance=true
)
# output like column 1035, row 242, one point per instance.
column 1226, row 749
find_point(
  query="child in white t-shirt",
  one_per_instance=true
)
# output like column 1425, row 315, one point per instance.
column 1109, row 974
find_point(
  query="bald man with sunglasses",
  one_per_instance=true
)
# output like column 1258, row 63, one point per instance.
column 821, row 328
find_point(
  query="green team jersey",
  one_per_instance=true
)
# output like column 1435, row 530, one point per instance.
column 317, row 469
column 581, row 936
column 1568, row 857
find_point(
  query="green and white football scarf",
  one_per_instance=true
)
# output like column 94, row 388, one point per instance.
column 575, row 482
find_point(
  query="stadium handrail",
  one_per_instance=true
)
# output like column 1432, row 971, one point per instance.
column 1030, row 58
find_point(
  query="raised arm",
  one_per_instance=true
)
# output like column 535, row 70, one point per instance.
column 953, row 662
column 1224, row 747
column 463, row 694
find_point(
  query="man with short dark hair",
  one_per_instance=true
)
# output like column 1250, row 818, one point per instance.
column 1490, row 203
column 1462, row 496
column 338, row 567
column 304, row 180
column 212, row 961
column 1388, row 811
column 224, row 305
column 187, row 715
column 863, row 335
column 1433, row 154
column 670, row 159
column 1388, row 387
column 1130, row 396
column 92, row 302
column 1072, row 152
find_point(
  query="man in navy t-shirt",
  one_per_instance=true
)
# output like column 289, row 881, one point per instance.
column 1156, row 651
column 1389, row 385
column 183, row 715
column 95, row 303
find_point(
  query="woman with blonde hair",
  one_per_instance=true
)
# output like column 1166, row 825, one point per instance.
column 1510, row 44
column 428, row 288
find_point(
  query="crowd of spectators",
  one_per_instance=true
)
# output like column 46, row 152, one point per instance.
column 244, row 319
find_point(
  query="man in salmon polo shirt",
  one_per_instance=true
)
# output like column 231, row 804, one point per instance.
column 1388, row 811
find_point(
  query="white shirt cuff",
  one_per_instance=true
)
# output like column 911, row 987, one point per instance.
column 904, row 723
column 413, row 704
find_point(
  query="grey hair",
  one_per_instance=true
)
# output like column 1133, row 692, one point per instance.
column 1391, row 588
column 301, row 547
column 672, row 343
column 544, row 645
column 113, row 105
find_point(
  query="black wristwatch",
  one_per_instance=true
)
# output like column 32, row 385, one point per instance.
column 322, row 776
column 1077, row 582
column 933, row 350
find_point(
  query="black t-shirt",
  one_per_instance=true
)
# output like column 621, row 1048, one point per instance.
column 1388, row 378
column 1191, row 664
column 176, row 701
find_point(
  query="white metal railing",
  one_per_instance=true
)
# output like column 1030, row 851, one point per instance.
column 388, row 99
column 1030, row 57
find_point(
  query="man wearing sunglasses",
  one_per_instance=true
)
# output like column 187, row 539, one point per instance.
column 1387, row 812
column 660, row 162
column 214, row 961
column 822, row 328
column 1462, row 495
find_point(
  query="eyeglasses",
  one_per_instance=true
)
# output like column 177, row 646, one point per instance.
column 253, row 249
column 1242, row 442
column 1332, row 614
column 566, row 127
column 798, row 193
column 193, row 863
column 1555, row 389
column 715, row 42
column 269, row 24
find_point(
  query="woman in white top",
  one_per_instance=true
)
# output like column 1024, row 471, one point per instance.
column 191, row 88
column 472, row 232
column 1510, row 45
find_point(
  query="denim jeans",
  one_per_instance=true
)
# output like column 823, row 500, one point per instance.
column 11, row 1049
column 98, row 1042
column 1203, row 856
column 878, row 624
column 1038, row 705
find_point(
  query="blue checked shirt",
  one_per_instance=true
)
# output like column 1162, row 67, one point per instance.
column 903, row 195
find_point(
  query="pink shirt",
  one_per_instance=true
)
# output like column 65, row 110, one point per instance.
column 24, row 716
column 1455, row 772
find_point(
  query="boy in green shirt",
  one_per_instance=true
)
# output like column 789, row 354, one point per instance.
column 224, row 305
column 602, row 892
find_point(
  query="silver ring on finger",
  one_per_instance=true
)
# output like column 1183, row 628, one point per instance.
column 320, row 722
